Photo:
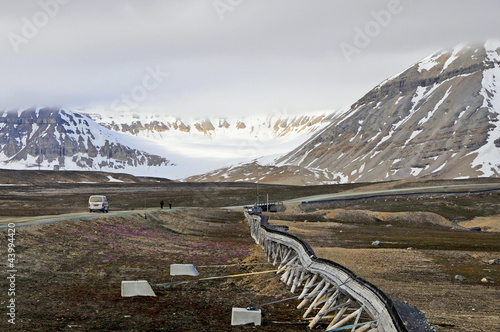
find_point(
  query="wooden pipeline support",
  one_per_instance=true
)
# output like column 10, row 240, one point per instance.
column 330, row 291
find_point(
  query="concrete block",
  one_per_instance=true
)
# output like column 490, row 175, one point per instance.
column 243, row 316
column 183, row 270
column 137, row 288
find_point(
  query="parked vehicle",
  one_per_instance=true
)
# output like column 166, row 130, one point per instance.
column 256, row 210
column 98, row 203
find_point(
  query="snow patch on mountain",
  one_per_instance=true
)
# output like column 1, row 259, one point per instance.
column 454, row 55
column 214, row 142
column 488, row 156
column 431, row 113
column 430, row 61
column 436, row 118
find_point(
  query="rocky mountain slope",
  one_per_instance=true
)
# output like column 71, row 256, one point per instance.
column 437, row 119
column 160, row 127
column 230, row 140
column 144, row 144
column 255, row 172
column 48, row 138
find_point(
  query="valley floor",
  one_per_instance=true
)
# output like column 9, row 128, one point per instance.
column 68, row 273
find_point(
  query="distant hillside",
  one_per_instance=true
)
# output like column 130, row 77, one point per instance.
column 159, row 145
column 163, row 127
column 51, row 138
column 255, row 172
column 437, row 119
column 24, row 177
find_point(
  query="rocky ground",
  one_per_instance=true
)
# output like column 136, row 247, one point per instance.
column 68, row 274
column 415, row 261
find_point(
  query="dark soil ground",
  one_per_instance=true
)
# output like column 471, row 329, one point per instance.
column 54, row 192
column 69, row 273
column 416, row 262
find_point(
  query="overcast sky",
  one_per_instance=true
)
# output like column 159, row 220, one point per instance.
column 222, row 57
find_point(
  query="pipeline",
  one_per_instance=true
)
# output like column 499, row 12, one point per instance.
column 329, row 287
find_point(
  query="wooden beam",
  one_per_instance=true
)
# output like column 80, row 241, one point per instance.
column 298, row 280
column 291, row 276
column 339, row 314
column 289, row 260
column 308, row 286
column 357, row 317
column 345, row 304
column 320, row 295
column 277, row 252
column 365, row 327
column 312, row 294
column 287, row 253
column 285, row 275
column 331, row 300
column 287, row 264
column 345, row 319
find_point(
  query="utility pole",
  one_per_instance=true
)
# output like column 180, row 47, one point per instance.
column 257, row 192
column 39, row 159
column 145, row 217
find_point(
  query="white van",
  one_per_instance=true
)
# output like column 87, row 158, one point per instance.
column 98, row 203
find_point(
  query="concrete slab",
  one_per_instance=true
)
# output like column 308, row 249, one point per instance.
column 137, row 288
column 183, row 270
column 243, row 316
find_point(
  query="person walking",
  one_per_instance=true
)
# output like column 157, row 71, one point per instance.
column 161, row 204
column 169, row 204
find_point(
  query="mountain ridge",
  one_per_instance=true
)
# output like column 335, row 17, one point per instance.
column 53, row 138
column 439, row 118
column 436, row 119
column 143, row 144
column 274, row 125
column 434, row 113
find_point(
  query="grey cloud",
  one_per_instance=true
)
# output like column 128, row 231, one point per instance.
column 261, row 56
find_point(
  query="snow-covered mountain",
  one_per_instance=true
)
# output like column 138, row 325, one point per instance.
column 439, row 119
column 160, row 127
column 49, row 138
column 142, row 144
column 205, row 144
